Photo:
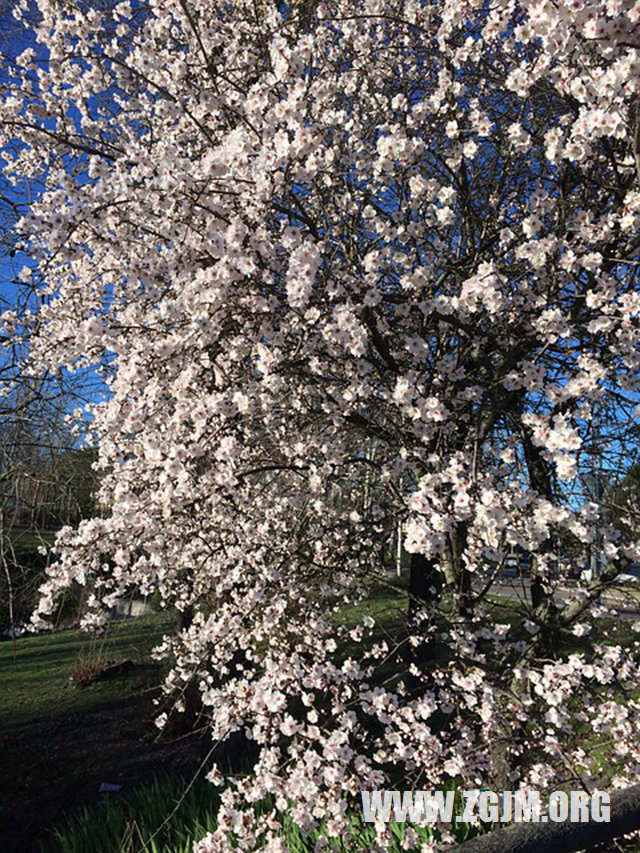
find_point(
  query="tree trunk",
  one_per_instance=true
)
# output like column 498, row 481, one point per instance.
column 425, row 588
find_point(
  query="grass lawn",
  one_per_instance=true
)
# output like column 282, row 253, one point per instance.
column 25, row 539
column 35, row 670
column 59, row 743
column 386, row 604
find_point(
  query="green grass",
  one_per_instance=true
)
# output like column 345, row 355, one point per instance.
column 168, row 815
column 34, row 683
column 34, row 686
column 29, row 540
column 386, row 604
column 163, row 815
column 34, row 670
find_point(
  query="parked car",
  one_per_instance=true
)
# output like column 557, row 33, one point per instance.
column 517, row 564
column 632, row 575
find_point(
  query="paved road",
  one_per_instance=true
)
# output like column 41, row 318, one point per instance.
column 626, row 602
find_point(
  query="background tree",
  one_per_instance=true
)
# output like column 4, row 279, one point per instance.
column 46, row 481
column 622, row 501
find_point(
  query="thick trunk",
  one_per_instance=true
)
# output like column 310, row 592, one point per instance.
column 425, row 587
column 544, row 609
column 186, row 721
column 461, row 586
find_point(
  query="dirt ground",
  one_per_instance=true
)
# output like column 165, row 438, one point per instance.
column 56, row 763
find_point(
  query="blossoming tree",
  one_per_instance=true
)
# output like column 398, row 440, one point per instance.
column 345, row 264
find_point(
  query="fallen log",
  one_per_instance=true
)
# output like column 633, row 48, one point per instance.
column 562, row 837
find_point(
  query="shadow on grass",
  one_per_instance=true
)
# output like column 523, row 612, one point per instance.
column 58, row 743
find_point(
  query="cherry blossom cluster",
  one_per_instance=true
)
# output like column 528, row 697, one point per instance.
column 349, row 268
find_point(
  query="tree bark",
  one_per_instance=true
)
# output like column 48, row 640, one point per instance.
column 425, row 587
column 562, row 837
